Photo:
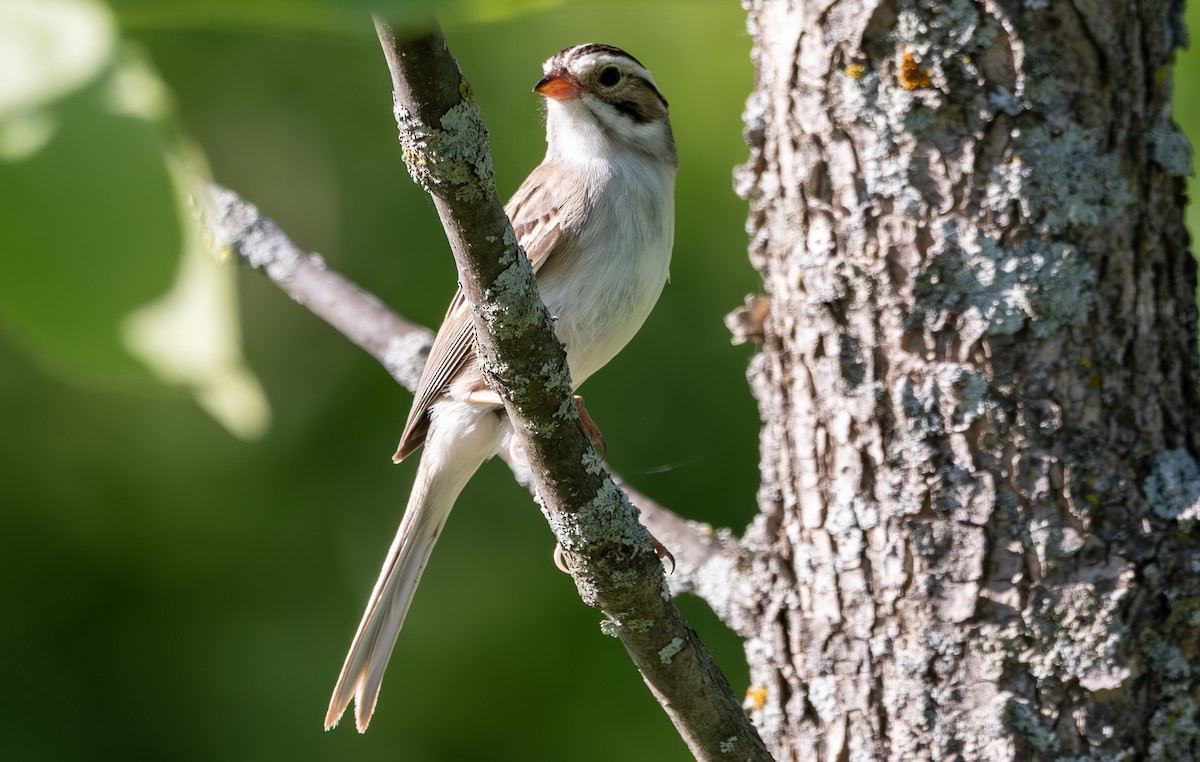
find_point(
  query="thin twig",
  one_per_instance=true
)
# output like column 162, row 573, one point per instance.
column 236, row 225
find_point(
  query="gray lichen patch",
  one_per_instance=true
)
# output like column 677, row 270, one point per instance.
column 937, row 69
column 592, row 463
column 1028, row 725
column 1051, row 538
column 1056, row 281
column 605, row 520
column 1169, row 148
column 918, row 399
column 970, row 392
column 616, row 623
column 1173, row 488
column 239, row 225
column 266, row 251
column 452, row 157
column 991, row 289
column 1059, row 179
column 668, row 652
column 1072, row 632
column 948, row 399
column 513, row 303
column 1170, row 653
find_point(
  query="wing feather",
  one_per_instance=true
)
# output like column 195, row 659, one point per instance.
column 537, row 221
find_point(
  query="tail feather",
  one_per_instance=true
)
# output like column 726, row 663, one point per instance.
column 462, row 437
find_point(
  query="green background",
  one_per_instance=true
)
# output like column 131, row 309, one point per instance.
column 174, row 592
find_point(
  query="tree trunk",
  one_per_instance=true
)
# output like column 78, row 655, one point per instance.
column 978, row 383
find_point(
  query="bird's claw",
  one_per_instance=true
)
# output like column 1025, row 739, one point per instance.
column 560, row 559
column 590, row 428
column 661, row 551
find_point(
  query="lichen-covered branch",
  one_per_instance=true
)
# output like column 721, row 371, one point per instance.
column 613, row 563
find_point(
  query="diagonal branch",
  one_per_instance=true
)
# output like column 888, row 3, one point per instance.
column 614, row 567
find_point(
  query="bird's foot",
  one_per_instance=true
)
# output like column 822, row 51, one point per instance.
column 590, row 428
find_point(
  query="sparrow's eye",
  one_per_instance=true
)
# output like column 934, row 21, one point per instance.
column 609, row 76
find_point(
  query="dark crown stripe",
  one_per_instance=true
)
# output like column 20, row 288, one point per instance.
column 595, row 47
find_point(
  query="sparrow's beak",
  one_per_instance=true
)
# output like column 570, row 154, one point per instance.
column 557, row 85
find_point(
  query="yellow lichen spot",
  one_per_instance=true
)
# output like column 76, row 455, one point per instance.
column 1094, row 382
column 756, row 698
column 1085, row 362
column 855, row 71
column 464, row 91
column 911, row 75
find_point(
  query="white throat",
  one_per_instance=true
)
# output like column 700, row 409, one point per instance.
column 587, row 129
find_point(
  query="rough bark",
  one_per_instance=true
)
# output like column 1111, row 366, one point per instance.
column 978, row 383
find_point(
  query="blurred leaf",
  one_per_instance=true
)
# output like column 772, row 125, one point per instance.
column 91, row 177
column 49, row 48
column 89, row 231
column 191, row 335
column 313, row 16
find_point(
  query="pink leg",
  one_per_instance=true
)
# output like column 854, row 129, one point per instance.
column 590, row 428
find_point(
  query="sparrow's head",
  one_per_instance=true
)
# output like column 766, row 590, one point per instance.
column 600, row 98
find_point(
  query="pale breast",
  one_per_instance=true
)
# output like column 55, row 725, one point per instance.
column 619, row 262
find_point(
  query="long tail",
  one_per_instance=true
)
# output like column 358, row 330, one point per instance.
column 463, row 435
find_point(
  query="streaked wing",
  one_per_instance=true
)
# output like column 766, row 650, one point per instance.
column 450, row 350
column 537, row 212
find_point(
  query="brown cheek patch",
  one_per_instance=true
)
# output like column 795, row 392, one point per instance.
column 633, row 110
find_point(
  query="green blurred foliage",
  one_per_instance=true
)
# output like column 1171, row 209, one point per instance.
column 1187, row 108
column 323, row 18
column 176, row 593
column 65, row 221
column 62, row 201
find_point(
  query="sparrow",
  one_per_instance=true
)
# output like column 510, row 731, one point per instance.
column 596, row 219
